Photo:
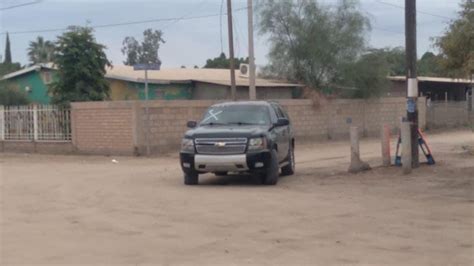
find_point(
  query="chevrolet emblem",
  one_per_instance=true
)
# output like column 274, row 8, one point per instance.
column 220, row 144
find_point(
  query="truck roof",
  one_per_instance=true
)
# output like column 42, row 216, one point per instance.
column 261, row 103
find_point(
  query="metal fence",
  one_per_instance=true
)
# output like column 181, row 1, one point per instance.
column 35, row 123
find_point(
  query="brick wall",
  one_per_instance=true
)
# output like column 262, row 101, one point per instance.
column 103, row 127
column 49, row 147
column 449, row 114
column 119, row 127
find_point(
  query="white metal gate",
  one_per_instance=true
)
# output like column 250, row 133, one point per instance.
column 35, row 122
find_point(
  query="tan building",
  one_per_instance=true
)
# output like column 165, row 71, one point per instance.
column 196, row 84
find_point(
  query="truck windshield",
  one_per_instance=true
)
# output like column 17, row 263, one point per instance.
column 236, row 114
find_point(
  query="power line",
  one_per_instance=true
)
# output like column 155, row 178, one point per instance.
column 20, row 5
column 418, row 11
column 184, row 16
column 124, row 23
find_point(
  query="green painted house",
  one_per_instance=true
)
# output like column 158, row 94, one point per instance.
column 33, row 81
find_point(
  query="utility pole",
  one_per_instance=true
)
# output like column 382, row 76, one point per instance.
column 233, row 89
column 412, row 82
column 252, row 89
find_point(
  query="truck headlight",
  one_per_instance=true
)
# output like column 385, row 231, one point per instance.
column 257, row 144
column 187, row 145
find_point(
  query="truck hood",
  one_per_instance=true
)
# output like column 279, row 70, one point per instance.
column 233, row 131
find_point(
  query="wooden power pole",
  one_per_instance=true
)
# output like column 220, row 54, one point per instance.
column 412, row 82
column 252, row 88
column 233, row 89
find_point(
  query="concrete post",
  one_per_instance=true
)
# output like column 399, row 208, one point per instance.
column 385, row 136
column 357, row 165
column 406, row 147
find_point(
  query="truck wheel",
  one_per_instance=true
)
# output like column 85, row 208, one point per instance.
column 191, row 178
column 271, row 176
column 289, row 169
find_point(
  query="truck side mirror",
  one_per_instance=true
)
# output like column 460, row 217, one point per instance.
column 191, row 124
column 281, row 122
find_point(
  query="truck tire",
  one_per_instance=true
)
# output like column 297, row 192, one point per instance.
column 271, row 176
column 191, row 178
column 289, row 169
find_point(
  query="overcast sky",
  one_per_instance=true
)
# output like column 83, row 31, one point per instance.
column 191, row 42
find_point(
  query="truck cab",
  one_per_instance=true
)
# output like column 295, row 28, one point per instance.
column 254, row 137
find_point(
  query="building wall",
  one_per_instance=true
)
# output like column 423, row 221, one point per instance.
column 207, row 91
column 120, row 127
column 174, row 91
column 449, row 114
column 103, row 127
column 38, row 89
column 120, row 91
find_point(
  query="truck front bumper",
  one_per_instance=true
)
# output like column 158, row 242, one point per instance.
column 252, row 162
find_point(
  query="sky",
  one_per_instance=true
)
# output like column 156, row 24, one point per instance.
column 191, row 42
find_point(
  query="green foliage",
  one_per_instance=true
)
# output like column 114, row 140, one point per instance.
column 10, row 95
column 40, row 51
column 6, row 68
column 457, row 44
column 145, row 52
column 430, row 65
column 367, row 77
column 81, row 63
column 312, row 43
column 8, row 52
column 223, row 62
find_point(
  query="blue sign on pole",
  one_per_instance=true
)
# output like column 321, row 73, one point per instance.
column 155, row 66
column 411, row 106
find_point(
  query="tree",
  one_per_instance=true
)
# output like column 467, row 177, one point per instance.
column 367, row 77
column 40, row 51
column 429, row 65
column 8, row 52
column 311, row 43
column 223, row 62
column 145, row 52
column 457, row 44
column 10, row 95
column 81, row 63
column 8, row 66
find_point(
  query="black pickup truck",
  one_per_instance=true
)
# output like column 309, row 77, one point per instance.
column 254, row 137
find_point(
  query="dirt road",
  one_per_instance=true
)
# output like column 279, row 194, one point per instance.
column 88, row 210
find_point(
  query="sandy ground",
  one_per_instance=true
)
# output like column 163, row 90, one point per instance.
column 83, row 210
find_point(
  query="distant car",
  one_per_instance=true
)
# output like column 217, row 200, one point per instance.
column 254, row 137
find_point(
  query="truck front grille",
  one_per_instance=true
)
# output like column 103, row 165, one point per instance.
column 221, row 145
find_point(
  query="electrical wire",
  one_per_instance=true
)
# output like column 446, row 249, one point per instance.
column 123, row 23
column 418, row 11
column 20, row 5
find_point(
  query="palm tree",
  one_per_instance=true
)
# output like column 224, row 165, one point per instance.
column 40, row 51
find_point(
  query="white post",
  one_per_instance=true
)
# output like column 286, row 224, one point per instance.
column 357, row 165
column 406, row 147
column 35, row 122
column 385, row 137
column 2, row 122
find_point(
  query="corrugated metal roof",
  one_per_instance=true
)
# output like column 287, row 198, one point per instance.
column 28, row 69
column 207, row 75
column 171, row 75
column 431, row 79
